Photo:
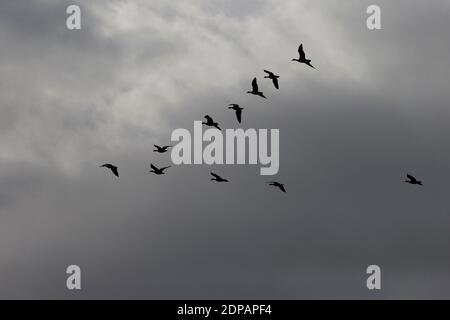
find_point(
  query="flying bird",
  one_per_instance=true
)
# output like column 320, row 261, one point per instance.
column 255, row 89
column 238, row 110
column 272, row 76
column 112, row 168
column 302, row 57
column 277, row 184
column 413, row 180
column 158, row 171
column 210, row 122
column 218, row 178
column 161, row 149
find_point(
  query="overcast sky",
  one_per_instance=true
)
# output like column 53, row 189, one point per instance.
column 375, row 108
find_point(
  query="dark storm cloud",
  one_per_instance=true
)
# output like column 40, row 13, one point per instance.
column 349, row 132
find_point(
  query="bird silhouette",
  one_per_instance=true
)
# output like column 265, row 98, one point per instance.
column 238, row 110
column 161, row 149
column 112, row 168
column 210, row 122
column 413, row 180
column 255, row 89
column 272, row 76
column 277, row 184
column 302, row 57
column 218, row 178
column 158, row 171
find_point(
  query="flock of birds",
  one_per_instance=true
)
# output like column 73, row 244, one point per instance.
column 238, row 111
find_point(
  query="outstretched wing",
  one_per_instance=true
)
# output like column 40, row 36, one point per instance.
column 281, row 186
column 301, row 52
column 255, row 85
column 153, row 167
column 215, row 175
column 115, row 171
column 208, row 119
column 275, row 82
column 239, row 115
column 269, row 73
column 164, row 168
column 410, row 177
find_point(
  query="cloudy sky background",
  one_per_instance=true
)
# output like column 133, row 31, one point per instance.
column 376, row 107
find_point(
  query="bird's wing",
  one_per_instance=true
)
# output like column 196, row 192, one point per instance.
column 153, row 167
column 157, row 147
column 301, row 52
column 255, row 85
column 282, row 188
column 410, row 177
column 268, row 72
column 275, row 82
column 164, row 168
column 239, row 115
column 217, row 126
column 215, row 175
column 165, row 147
column 208, row 118
column 115, row 171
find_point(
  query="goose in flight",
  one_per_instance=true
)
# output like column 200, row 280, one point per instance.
column 302, row 57
column 112, row 168
column 218, row 178
column 210, row 122
column 413, row 180
column 274, row 77
column 161, row 149
column 158, row 171
column 255, row 89
column 278, row 185
column 238, row 110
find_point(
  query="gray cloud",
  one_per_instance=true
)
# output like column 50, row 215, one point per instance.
column 375, row 108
